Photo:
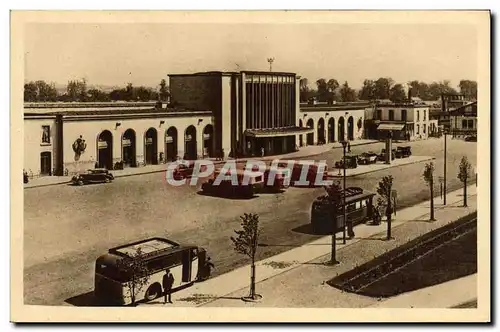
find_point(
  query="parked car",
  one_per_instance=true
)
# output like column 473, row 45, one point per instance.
column 350, row 161
column 403, row 151
column 186, row 171
column 381, row 156
column 471, row 138
column 367, row 158
column 98, row 175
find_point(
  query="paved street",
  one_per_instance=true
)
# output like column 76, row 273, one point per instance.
column 66, row 227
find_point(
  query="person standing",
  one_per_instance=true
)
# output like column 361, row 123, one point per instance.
column 168, row 282
column 262, row 151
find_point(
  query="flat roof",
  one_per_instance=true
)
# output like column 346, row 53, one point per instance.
column 228, row 73
column 148, row 247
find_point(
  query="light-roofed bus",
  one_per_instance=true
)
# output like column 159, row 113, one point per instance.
column 112, row 282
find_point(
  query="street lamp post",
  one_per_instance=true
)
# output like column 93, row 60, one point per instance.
column 344, row 146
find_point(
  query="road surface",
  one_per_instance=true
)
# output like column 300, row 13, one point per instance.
column 66, row 228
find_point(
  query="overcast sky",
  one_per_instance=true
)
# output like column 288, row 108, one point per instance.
column 143, row 54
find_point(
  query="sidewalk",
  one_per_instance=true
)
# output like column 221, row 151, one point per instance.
column 308, row 151
column 364, row 169
column 445, row 295
column 283, row 278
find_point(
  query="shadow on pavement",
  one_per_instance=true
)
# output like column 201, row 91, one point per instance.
column 236, row 198
column 84, row 300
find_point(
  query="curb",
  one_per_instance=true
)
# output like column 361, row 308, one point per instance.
column 378, row 170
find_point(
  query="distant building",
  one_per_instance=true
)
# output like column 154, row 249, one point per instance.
column 406, row 121
column 463, row 120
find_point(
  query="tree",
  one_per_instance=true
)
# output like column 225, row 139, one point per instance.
column 77, row 90
column 468, row 88
column 164, row 91
column 322, row 90
column 333, row 199
column 135, row 272
column 438, row 88
column 367, row 92
column 383, row 87
column 97, row 95
column 246, row 243
column 464, row 173
column 428, row 176
column 39, row 91
column 346, row 93
column 397, row 94
column 385, row 190
column 304, row 89
column 30, row 92
column 332, row 86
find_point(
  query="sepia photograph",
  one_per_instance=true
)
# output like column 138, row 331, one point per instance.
column 246, row 166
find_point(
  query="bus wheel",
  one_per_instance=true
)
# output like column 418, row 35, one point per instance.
column 153, row 292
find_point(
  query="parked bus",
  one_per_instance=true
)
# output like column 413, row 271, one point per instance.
column 359, row 208
column 297, row 166
column 226, row 188
column 112, row 283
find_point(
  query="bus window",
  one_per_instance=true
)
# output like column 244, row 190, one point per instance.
column 350, row 207
column 358, row 205
column 194, row 254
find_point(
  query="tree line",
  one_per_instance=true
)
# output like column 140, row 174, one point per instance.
column 382, row 88
column 78, row 91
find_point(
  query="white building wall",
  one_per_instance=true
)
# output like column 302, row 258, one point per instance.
column 33, row 145
column 90, row 130
column 336, row 115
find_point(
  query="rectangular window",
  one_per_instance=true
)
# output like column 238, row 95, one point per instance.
column 418, row 129
column 418, row 115
column 464, row 124
column 45, row 134
column 471, row 124
column 379, row 115
column 424, row 128
column 425, row 114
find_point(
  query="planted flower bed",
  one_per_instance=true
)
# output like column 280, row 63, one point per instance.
column 444, row 254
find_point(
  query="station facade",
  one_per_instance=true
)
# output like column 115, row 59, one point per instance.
column 210, row 115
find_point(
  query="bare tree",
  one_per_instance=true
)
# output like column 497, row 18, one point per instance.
column 428, row 176
column 464, row 174
column 136, row 273
column 384, row 190
column 246, row 243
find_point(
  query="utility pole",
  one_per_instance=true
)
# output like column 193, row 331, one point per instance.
column 444, row 182
column 270, row 60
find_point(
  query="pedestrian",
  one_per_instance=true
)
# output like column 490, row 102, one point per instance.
column 349, row 146
column 222, row 154
column 168, row 282
column 262, row 151
column 208, row 267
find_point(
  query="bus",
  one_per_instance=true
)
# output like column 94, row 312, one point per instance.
column 359, row 208
column 112, row 284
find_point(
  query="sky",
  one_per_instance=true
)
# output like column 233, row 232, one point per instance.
column 144, row 53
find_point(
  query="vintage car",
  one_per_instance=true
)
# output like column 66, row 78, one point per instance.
column 471, row 138
column 245, row 188
column 350, row 161
column 98, row 175
column 403, row 151
column 184, row 171
column 381, row 156
column 367, row 158
column 311, row 177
